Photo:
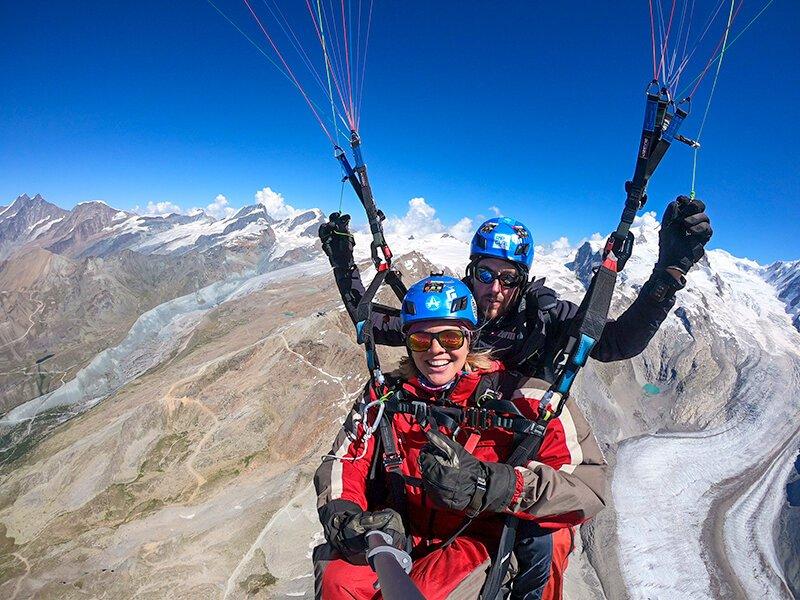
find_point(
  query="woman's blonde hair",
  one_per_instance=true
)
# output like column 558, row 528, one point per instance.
column 476, row 360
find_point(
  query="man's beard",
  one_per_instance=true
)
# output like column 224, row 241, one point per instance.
column 493, row 310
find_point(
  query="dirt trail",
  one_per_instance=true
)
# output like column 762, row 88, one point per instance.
column 27, row 331
column 172, row 403
column 21, row 577
column 338, row 380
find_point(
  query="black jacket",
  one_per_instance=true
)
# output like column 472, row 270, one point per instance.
column 528, row 339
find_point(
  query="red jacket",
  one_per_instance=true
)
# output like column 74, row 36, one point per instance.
column 563, row 486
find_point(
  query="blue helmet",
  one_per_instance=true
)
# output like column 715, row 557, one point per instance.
column 439, row 297
column 504, row 238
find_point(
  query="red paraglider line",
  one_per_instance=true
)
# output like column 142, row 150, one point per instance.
column 696, row 44
column 333, row 52
column 330, row 67
column 334, row 44
column 715, row 53
column 289, row 70
column 290, row 34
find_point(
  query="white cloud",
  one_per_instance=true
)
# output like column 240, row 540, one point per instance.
column 647, row 220
column 154, row 209
column 462, row 230
column 419, row 220
column 497, row 212
column 275, row 204
column 219, row 208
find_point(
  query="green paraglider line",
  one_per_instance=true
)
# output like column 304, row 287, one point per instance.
column 733, row 41
column 710, row 97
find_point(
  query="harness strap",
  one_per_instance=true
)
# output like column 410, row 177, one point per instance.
column 453, row 418
column 391, row 464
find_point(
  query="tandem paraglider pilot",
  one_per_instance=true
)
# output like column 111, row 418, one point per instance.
column 432, row 459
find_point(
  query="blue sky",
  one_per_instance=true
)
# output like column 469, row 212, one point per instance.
column 534, row 108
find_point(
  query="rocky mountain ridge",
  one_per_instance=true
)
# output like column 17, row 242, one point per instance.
column 785, row 277
column 94, row 229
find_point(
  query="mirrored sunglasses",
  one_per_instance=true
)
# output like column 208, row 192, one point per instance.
column 449, row 339
column 487, row 276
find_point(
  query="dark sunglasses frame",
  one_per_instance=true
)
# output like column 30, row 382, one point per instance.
column 507, row 280
column 437, row 336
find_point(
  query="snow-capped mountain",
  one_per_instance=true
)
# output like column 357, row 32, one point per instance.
column 77, row 231
column 24, row 220
column 785, row 277
column 94, row 229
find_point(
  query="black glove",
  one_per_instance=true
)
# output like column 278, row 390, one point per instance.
column 685, row 230
column 455, row 479
column 346, row 530
column 337, row 241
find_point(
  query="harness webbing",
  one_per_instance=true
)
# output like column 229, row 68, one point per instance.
column 495, row 413
column 381, row 256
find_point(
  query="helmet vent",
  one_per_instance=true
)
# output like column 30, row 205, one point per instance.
column 409, row 308
column 458, row 304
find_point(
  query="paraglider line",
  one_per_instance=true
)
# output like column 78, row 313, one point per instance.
column 664, row 48
column 297, row 83
column 653, row 39
column 715, row 54
column 347, row 58
column 337, row 64
column 711, row 94
column 678, row 40
column 677, row 75
column 260, row 50
column 709, row 22
column 293, row 39
column 358, row 48
column 327, row 72
column 364, row 65
column 733, row 41
column 328, row 63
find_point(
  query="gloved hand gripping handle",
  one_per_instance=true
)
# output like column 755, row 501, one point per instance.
column 392, row 566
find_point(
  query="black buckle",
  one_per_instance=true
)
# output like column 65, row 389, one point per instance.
column 479, row 418
column 420, row 410
column 392, row 462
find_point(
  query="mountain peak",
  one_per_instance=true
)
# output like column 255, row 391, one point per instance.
column 93, row 207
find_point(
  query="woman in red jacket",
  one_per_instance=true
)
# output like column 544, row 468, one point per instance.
column 439, row 462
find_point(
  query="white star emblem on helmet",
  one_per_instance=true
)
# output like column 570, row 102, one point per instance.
column 433, row 303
